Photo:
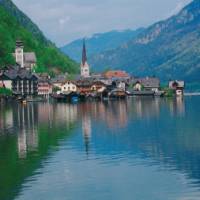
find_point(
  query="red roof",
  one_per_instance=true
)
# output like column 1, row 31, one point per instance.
column 116, row 74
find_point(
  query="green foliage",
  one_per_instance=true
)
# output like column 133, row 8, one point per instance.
column 48, row 56
column 5, row 92
column 56, row 89
column 169, row 92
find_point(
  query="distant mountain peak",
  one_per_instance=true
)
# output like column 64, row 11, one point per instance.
column 169, row 48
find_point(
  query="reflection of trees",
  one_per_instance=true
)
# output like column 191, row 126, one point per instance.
column 6, row 118
column 28, row 144
column 153, row 128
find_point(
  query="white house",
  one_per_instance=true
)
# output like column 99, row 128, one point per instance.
column 68, row 87
column 177, row 86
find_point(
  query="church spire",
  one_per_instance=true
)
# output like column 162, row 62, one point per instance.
column 84, row 53
column 85, row 69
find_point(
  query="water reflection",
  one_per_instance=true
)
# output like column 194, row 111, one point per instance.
column 161, row 132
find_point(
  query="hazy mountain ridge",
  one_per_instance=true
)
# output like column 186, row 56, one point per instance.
column 99, row 42
column 169, row 49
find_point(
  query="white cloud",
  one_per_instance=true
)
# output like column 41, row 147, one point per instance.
column 65, row 20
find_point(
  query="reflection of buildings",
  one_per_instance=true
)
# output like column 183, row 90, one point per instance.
column 25, row 120
column 86, row 129
column 177, row 106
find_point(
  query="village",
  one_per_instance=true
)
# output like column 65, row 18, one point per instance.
column 20, row 82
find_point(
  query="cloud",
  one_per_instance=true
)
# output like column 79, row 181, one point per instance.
column 65, row 20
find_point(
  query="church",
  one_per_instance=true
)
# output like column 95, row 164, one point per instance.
column 85, row 68
column 26, row 60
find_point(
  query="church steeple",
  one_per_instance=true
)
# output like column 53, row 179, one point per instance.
column 85, row 69
column 84, row 53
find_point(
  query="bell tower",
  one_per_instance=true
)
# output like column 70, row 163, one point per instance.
column 19, row 53
column 85, row 68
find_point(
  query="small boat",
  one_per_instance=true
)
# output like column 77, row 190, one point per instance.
column 117, row 93
column 74, row 99
column 24, row 101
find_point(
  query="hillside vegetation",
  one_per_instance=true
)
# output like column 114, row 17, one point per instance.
column 15, row 25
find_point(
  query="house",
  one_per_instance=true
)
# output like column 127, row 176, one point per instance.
column 20, row 81
column 147, row 84
column 45, row 87
column 137, row 86
column 177, row 86
column 68, row 87
column 84, row 86
column 58, row 81
column 24, row 59
column 5, row 81
column 98, row 86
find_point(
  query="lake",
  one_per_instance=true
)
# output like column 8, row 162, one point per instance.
column 140, row 148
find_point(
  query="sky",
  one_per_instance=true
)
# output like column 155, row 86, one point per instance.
column 63, row 21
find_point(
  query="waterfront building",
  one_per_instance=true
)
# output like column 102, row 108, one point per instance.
column 177, row 86
column 44, row 88
column 24, row 59
column 22, row 82
column 84, row 68
column 58, row 81
column 147, row 84
column 98, row 86
column 68, row 87
column 84, row 86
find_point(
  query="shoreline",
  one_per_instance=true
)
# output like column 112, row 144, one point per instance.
column 192, row 94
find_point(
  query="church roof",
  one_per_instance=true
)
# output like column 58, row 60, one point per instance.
column 30, row 57
column 21, row 73
column 84, row 54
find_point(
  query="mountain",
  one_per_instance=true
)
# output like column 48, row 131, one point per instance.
column 169, row 49
column 99, row 42
column 14, row 25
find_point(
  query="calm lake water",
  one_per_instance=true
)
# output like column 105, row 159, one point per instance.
column 141, row 149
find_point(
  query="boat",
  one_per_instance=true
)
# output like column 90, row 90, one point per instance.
column 117, row 93
column 74, row 99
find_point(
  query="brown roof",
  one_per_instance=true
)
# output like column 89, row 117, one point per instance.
column 116, row 74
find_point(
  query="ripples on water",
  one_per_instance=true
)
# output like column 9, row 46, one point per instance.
column 142, row 148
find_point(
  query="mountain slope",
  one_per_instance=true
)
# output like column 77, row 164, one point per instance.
column 16, row 25
column 168, row 49
column 99, row 43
